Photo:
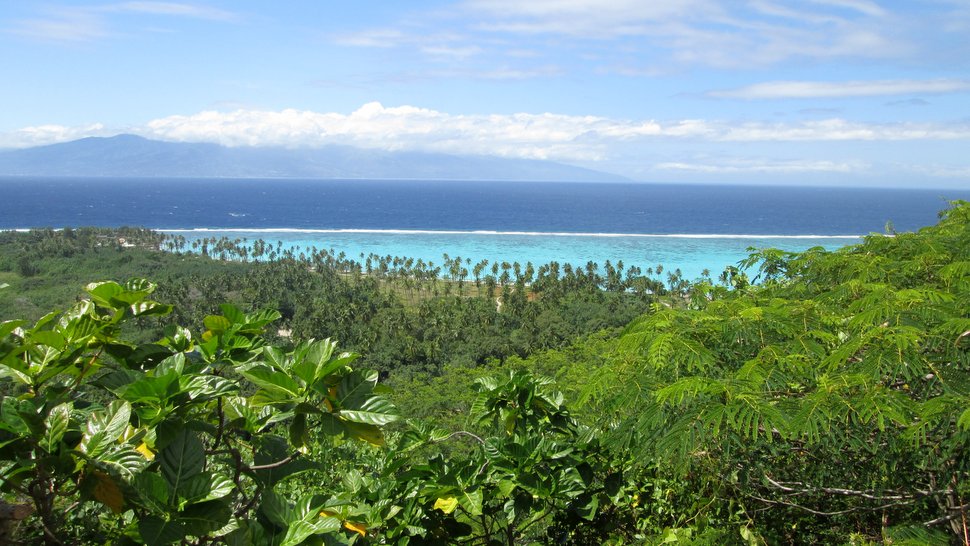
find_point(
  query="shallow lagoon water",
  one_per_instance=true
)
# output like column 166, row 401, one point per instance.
column 690, row 254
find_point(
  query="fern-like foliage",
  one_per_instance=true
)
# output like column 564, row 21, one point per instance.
column 845, row 375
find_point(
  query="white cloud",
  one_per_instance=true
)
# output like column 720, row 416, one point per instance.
column 941, row 171
column 817, row 90
column 66, row 25
column 593, row 18
column 839, row 129
column 538, row 136
column 525, row 135
column 708, row 32
column 763, row 166
column 173, row 9
column 94, row 22
column 40, row 135
column 861, row 6
column 665, row 34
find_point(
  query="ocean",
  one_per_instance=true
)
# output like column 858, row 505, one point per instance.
column 686, row 227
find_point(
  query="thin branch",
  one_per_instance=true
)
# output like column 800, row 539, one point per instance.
column 828, row 514
column 277, row 464
column 957, row 512
column 868, row 494
column 463, row 433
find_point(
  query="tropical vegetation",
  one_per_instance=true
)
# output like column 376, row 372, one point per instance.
column 814, row 397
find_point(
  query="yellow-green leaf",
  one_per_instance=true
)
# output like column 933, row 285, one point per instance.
column 446, row 504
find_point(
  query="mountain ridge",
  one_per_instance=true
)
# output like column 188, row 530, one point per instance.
column 128, row 155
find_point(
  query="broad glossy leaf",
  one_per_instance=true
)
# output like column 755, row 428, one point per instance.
column 201, row 387
column 205, row 517
column 368, row 433
column 276, row 509
column 103, row 293
column 298, row 430
column 355, row 388
column 374, row 411
column 15, row 374
column 155, row 531
column 205, row 486
column 174, row 365
column 273, row 381
column 123, row 461
column 472, row 501
column 150, row 308
column 153, row 490
column 181, row 459
column 104, row 427
column 150, row 389
column 216, row 324
column 275, row 357
column 8, row 326
column 299, row 531
column 49, row 338
column 11, row 419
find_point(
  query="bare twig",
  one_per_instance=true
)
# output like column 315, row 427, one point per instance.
column 828, row 514
column 866, row 494
column 957, row 511
column 462, row 433
column 277, row 464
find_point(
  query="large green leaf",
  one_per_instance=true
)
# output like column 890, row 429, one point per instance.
column 181, row 459
column 155, row 531
column 123, row 461
column 375, row 410
column 104, row 294
column 104, row 427
column 273, row 381
column 355, row 388
column 153, row 490
column 57, row 422
column 216, row 324
column 299, row 531
column 471, row 500
column 205, row 486
column 205, row 517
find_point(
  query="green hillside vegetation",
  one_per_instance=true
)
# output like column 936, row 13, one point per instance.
column 827, row 401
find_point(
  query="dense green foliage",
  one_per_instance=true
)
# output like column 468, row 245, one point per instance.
column 404, row 317
column 826, row 400
column 833, row 397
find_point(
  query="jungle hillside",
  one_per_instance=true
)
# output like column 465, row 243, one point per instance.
column 233, row 392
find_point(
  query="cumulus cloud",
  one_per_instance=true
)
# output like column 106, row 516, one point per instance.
column 826, row 90
column 40, row 135
column 538, row 136
column 523, row 135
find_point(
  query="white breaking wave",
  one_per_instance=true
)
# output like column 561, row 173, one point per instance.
column 507, row 233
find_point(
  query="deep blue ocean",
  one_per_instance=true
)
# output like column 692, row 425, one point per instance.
column 691, row 227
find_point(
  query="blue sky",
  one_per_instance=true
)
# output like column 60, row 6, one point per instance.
column 832, row 92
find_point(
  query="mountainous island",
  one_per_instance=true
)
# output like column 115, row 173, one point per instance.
column 134, row 156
